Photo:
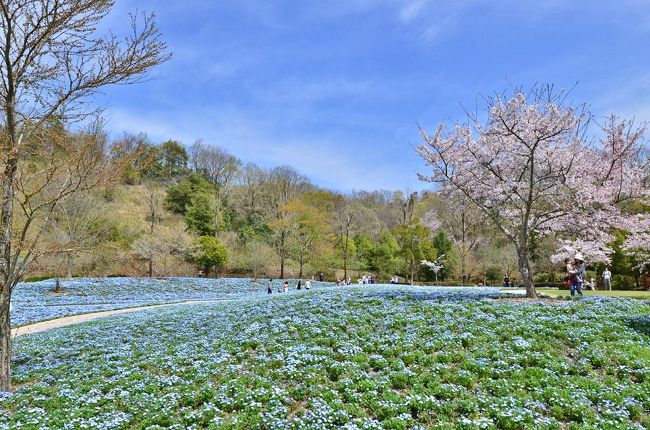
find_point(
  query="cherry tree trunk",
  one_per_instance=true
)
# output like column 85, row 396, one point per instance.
column 5, row 339
column 526, row 273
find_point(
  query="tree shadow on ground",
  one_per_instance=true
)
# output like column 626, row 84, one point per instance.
column 639, row 324
column 438, row 296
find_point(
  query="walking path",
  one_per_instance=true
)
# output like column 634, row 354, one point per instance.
column 76, row 319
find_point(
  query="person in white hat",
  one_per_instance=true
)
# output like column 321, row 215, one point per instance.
column 579, row 273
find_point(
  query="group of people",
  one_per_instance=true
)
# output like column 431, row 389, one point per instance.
column 285, row 286
column 575, row 276
column 394, row 279
column 366, row 279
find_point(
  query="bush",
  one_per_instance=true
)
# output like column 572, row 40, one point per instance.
column 623, row 282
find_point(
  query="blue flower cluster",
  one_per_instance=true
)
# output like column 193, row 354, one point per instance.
column 360, row 357
column 36, row 301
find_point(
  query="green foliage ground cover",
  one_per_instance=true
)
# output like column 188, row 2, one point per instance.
column 354, row 358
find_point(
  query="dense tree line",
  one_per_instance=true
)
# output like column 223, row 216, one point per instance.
column 197, row 209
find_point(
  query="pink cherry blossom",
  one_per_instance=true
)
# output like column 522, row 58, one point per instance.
column 532, row 169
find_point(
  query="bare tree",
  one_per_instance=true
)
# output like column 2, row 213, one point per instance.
column 465, row 225
column 154, row 198
column 283, row 185
column 258, row 256
column 51, row 61
column 215, row 163
column 252, row 179
column 76, row 226
column 345, row 222
column 159, row 249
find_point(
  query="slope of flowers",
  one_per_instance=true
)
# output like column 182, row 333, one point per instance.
column 35, row 301
column 350, row 358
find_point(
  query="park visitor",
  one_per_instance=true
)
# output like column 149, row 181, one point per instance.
column 607, row 279
column 269, row 288
column 308, row 285
column 286, row 286
column 506, row 281
column 568, row 264
column 321, row 277
column 299, row 285
column 579, row 273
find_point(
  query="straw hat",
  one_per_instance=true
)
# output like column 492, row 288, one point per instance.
column 579, row 256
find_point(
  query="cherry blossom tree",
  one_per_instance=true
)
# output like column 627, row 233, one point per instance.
column 638, row 243
column 530, row 167
column 435, row 266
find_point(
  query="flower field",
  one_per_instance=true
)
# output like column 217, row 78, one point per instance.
column 35, row 301
column 371, row 357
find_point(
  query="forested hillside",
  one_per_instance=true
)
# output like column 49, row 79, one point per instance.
column 188, row 210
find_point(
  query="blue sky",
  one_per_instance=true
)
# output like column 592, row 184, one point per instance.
column 336, row 88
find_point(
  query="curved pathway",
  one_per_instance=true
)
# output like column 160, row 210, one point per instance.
column 76, row 319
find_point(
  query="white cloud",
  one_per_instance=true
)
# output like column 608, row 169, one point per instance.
column 254, row 137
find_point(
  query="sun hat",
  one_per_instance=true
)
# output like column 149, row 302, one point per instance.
column 579, row 256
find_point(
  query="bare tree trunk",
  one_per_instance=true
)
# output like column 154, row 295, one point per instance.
column 68, row 265
column 5, row 339
column 412, row 272
column 151, row 267
column 526, row 273
column 57, row 285
column 281, row 267
column 345, row 255
column 302, row 263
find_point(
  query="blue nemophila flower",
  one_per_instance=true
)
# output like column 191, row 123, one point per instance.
column 356, row 358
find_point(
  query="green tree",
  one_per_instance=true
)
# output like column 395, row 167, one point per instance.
column 386, row 259
column 443, row 245
column 208, row 254
column 172, row 158
column 179, row 196
column 365, row 251
column 205, row 215
column 415, row 246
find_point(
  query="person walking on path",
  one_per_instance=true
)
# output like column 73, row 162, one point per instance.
column 321, row 277
column 579, row 274
column 607, row 279
column 308, row 285
column 269, row 289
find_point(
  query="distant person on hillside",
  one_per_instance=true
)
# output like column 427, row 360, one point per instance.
column 506, row 281
column 299, row 286
column 607, row 279
column 286, row 286
column 269, row 289
column 579, row 274
column 321, row 277
column 308, row 285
